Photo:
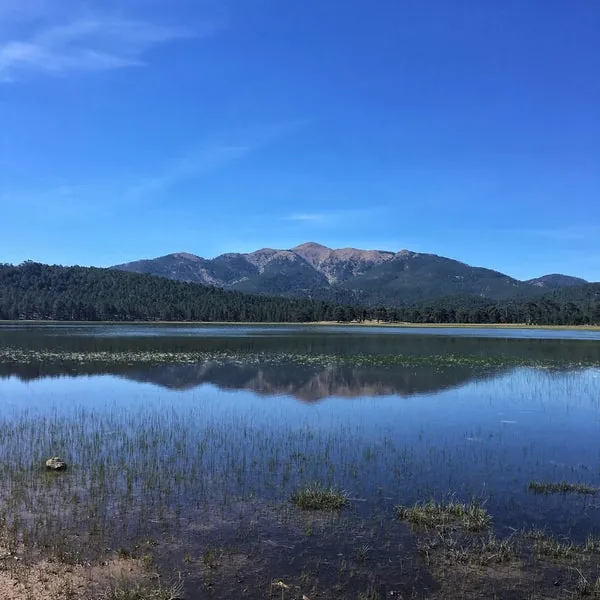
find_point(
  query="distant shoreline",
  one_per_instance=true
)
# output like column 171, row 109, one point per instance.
column 316, row 324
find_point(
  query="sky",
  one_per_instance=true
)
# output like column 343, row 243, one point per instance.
column 135, row 128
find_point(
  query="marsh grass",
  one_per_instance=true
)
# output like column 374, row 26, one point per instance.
column 128, row 591
column 469, row 549
column 585, row 587
column 317, row 497
column 136, row 471
column 362, row 552
column 507, row 568
column 439, row 515
column 561, row 487
column 548, row 545
column 562, row 548
column 494, row 550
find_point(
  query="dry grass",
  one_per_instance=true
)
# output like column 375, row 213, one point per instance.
column 528, row 565
column 137, row 591
column 46, row 580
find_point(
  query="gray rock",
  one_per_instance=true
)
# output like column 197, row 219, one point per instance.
column 56, row 464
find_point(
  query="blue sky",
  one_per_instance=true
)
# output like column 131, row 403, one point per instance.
column 136, row 128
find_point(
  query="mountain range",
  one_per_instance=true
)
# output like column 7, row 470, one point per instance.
column 348, row 275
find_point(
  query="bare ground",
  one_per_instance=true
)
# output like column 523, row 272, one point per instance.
column 47, row 580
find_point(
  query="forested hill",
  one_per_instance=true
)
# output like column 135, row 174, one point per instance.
column 569, row 306
column 37, row 291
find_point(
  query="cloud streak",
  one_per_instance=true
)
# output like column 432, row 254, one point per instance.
column 307, row 217
column 331, row 217
column 91, row 43
column 97, row 200
column 188, row 168
column 213, row 155
column 101, row 199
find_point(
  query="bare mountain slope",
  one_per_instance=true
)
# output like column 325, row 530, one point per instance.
column 347, row 275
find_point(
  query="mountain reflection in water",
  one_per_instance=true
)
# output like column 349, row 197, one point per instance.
column 306, row 383
column 304, row 363
column 311, row 384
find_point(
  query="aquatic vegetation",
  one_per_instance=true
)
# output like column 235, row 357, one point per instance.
column 516, row 566
column 470, row 549
column 25, row 356
column 371, row 593
column 561, row 547
column 431, row 515
column 128, row 591
column 585, row 587
column 491, row 549
column 317, row 497
column 561, row 487
column 362, row 552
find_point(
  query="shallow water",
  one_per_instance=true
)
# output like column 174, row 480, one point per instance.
column 164, row 444
column 259, row 330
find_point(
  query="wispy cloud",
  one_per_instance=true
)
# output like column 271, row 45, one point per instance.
column 186, row 168
column 84, row 200
column 212, row 155
column 332, row 217
column 307, row 217
column 88, row 200
column 51, row 42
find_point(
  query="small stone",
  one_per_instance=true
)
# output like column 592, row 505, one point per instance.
column 280, row 584
column 56, row 464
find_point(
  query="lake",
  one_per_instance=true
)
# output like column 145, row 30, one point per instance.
column 186, row 443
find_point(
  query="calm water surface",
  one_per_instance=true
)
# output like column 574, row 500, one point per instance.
column 161, row 441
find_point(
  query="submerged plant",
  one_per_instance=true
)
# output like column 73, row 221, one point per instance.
column 317, row 497
column 362, row 552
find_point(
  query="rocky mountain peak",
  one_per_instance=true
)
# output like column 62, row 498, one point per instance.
column 186, row 256
column 261, row 258
column 311, row 246
column 314, row 254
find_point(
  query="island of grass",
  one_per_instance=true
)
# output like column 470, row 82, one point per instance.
column 318, row 497
column 561, row 487
column 469, row 516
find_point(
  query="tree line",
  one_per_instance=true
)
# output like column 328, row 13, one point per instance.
column 549, row 310
column 33, row 291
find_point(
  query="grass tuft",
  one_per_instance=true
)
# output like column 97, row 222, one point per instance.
column 587, row 588
column 434, row 515
column 560, row 487
column 316, row 497
column 140, row 592
column 553, row 547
